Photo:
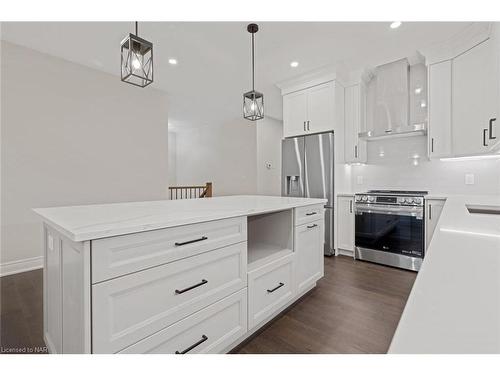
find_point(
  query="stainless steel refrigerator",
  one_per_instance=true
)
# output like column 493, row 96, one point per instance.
column 307, row 171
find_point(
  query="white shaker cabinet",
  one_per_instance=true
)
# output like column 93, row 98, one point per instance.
column 309, row 239
column 440, row 109
column 475, row 100
column 345, row 225
column 311, row 110
column 433, row 208
column 354, row 148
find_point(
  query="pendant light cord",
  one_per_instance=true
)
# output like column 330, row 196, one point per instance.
column 253, row 65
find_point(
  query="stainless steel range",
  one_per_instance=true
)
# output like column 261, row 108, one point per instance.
column 390, row 228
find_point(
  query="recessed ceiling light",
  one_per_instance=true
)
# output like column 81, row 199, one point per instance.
column 172, row 61
column 294, row 64
column 395, row 24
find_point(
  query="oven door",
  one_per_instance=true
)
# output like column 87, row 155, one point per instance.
column 395, row 229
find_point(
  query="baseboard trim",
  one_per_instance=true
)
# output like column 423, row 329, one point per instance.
column 18, row 266
column 348, row 253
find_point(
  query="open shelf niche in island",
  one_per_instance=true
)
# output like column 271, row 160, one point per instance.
column 270, row 236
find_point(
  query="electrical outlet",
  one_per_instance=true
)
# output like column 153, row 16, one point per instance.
column 469, row 179
column 359, row 180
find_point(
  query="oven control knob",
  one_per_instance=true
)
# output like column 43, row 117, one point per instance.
column 371, row 199
column 364, row 198
column 358, row 198
column 407, row 200
column 417, row 200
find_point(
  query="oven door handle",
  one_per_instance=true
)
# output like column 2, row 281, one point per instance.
column 391, row 210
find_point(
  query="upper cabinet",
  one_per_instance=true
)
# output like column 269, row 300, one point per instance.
column 475, row 100
column 354, row 147
column 310, row 110
column 464, row 99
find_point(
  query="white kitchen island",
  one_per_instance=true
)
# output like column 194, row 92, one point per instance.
column 185, row 276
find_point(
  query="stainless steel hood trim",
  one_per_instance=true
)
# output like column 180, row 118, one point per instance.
column 413, row 130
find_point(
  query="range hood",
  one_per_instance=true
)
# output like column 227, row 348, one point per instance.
column 396, row 100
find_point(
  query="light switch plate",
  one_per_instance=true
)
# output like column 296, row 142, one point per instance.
column 50, row 242
column 469, row 179
column 359, row 180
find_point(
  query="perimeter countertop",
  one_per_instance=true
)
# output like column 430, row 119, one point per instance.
column 82, row 223
column 454, row 306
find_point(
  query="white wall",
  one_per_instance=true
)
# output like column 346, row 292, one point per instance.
column 172, row 158
column 72, row 135
column 269, row 136
column 402, row 164
column 221, row 154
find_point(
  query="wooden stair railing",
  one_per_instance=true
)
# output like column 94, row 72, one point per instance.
column 191, row 192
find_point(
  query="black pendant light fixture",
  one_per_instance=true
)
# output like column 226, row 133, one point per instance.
column 137, row 60
column 253, row 101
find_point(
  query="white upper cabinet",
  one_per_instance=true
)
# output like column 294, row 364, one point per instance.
column 311, row 110
column 354, row 148
column 464, row 96
column 295, row 113
column 475, row 100
column 440, row 109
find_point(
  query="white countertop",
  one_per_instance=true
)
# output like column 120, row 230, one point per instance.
column 454, row 306
column 82, row 223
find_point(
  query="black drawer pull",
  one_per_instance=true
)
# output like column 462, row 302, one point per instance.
column 485, row 131
column 191, row 241
column 272, row 290
column 202, row 282
column 311, row 213
column 202, row 340
column 312, row 226
column 491, row 128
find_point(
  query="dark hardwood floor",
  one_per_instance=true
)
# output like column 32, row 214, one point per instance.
column 354, row 309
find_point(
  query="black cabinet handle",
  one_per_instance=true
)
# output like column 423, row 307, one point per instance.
column 202, row 340
column 311, row 213
column 304, row 126
column 350, row 206
column 430, row 212
column 276, row 288
column 312, row 226
column 202, row 282
column 356, row 152
column 432, row 144
column 308, row 125
column 491, row 128
column 191, row 241
column 484, row 137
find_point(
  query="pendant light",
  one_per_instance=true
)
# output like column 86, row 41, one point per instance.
column 137, row 60
column 253, row 101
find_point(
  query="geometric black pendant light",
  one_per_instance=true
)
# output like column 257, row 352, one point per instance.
column 136, row 60
column 253, row 101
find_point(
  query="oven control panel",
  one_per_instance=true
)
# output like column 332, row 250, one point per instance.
column 389, row 199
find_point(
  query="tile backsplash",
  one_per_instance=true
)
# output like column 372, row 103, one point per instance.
column 402, row 163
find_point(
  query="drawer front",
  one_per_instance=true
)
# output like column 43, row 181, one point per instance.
column 308, row 214
column 210, row 330
column 118, row 256
column 269, row 288
column 130, row 308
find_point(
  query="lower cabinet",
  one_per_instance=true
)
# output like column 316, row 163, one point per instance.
column 207, row 331
column 270, row 287
column 345, row 225
column 309, row 259
column 433, row 208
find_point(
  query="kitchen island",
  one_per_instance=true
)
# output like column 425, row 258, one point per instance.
column 454, row 306
column 184, row 276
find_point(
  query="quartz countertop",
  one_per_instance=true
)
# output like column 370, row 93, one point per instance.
column 89, row 222
column 454, row 306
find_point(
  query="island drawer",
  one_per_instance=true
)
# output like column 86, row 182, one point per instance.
column 210, row 330
column 269, row 289
column 121, row 255
column 130, row 308
column 308, row 214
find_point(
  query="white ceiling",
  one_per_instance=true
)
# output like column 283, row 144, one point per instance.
column 206, row 86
